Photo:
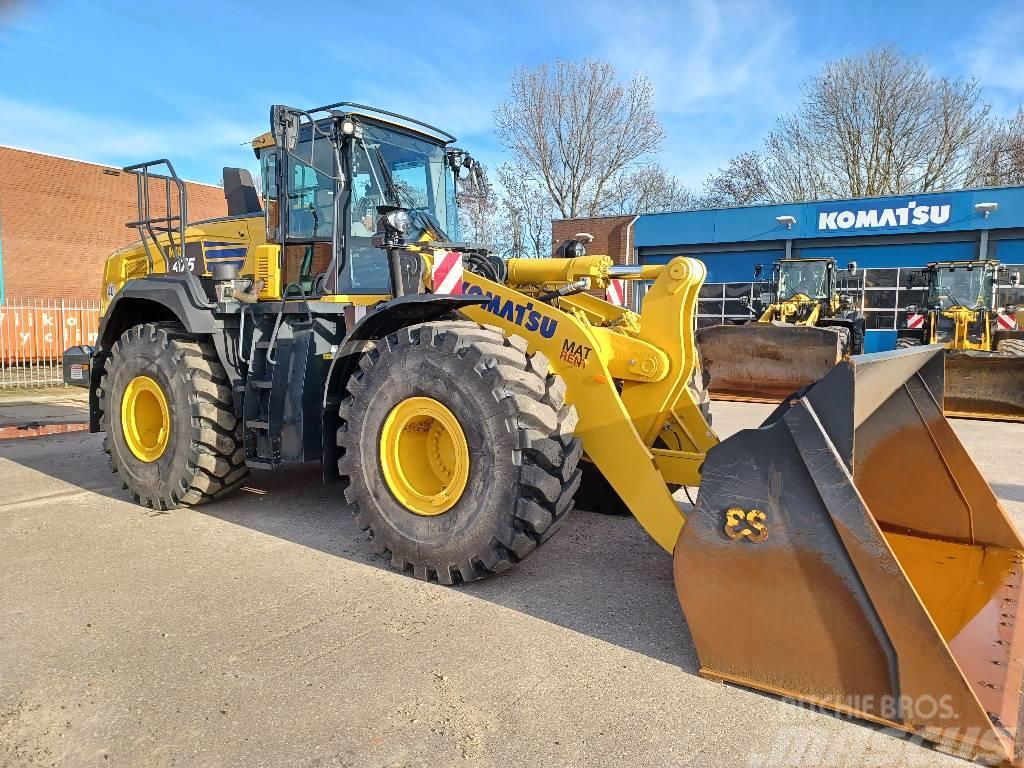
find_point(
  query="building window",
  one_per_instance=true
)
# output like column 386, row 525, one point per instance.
column 1006, row 293
column 880, row 278
column 879, row 299
column 880, row 321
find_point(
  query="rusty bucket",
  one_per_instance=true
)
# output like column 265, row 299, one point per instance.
column 984, row 385
column 848, row 553
column 765, row 361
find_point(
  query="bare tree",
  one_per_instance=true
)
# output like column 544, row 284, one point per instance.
column 878, row 123
column 741, row 182
column 1000, row 158
column 649, row 189
column 526, row 211
column 577, row 129
column 477, row 207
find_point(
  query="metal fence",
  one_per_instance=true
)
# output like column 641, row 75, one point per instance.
column 35, row 332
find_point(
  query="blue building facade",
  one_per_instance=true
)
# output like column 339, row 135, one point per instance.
column 888, row 238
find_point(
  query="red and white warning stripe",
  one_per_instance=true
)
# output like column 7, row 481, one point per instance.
column 915, row 321
column 1006, row 322
column 446, row 274
column 615, row 293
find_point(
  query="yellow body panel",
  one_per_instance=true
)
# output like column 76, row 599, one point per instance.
column 359, row 299
column 962, row 318
column 131, row 262
column 787, row 311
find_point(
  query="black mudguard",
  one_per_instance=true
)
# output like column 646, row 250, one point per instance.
column 153, row 298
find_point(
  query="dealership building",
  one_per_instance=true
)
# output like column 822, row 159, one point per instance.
column 887, row 237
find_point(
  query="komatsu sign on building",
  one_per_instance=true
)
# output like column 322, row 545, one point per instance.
column 887, row 237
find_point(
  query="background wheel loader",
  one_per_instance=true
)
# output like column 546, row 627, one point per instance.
column 450, row 396
column 803, row 325
column 984, row 346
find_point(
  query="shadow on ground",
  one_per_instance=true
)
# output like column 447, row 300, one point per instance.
column 1009, row 491
column 18, row 413
column 601, row 576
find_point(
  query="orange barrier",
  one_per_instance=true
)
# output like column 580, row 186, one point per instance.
column 35, row 333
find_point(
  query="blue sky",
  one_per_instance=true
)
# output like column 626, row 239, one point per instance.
column 117, row 83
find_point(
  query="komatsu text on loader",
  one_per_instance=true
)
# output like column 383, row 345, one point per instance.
column 984, row 344
column 451, row 397
column 802, row 324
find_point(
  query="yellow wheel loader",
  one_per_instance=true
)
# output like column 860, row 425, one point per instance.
column 451, row 395
column 802, row 325
column 984, row 345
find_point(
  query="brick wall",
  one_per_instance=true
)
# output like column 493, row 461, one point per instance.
column 60, row 219
column 612, row 237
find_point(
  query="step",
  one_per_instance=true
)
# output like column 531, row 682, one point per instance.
column 262, row 383
column 264, row 425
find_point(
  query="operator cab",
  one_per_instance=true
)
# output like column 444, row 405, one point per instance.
column 814, row 278
column 329, row 173
column 965, row 284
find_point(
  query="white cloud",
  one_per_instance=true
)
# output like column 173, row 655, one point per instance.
column 699, row 54
column 426, row 82
column 117, row 141
column 994, row 56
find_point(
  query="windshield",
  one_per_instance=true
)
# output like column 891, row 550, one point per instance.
column 954, row 285
column 394, row 168
column 807, row 277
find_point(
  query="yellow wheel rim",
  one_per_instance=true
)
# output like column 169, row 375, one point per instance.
column 424, row 456
column 145, row 419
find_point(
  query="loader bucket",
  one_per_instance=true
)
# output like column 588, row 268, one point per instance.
column 765, row 361
column 984, row 385
column 849, row 554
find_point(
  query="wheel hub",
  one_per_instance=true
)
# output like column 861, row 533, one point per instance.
column 145, row 419
column 424, row 456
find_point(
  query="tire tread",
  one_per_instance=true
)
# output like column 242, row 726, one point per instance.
column 532, row 400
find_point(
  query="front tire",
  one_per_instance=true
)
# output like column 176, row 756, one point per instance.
column 480, row 432
column 171, row 433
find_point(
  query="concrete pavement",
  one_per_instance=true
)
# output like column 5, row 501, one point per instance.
column 260, row 632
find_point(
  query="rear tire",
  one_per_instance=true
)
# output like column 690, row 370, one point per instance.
column 857, row 338
column 905, row 342
column 518, row 431
column 1013, row 347
column 844, row 340
column 203, row 459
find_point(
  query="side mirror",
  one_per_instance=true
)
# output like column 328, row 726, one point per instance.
column 758, row 271
column 851, row 268
column 284, row 125
column 1015, row 278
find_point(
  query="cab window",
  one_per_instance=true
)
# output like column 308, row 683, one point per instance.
column 268, row 169
column 310, row 190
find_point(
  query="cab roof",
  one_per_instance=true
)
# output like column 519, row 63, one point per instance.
column 964, row 263
column 373, row 115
